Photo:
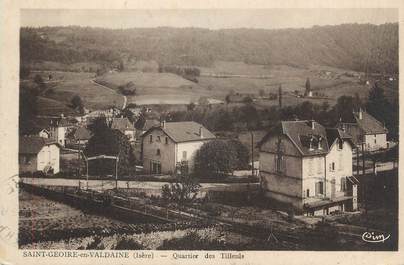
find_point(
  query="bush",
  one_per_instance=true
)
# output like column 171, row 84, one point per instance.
column 128, row 244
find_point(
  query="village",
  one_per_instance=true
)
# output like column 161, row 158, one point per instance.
column 228, row 139
column 151, row 170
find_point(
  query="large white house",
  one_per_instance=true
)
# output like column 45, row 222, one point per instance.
column 38, row 154
column 165, row 146
column 308, row 168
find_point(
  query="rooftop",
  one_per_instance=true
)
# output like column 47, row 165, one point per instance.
column 33, row 144
column 185, row 131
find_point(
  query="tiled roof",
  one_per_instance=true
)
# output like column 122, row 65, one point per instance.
column 301, row 133
column 33, row 144
column 122, row 124
column 369, row 124
column 185, row 131
column 334, row 133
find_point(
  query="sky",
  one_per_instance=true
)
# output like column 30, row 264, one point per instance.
column 206, row 18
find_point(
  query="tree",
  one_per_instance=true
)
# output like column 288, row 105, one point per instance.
column 247, row 100
column 214, row 159
column 261, row 92
column 242, row 152
column 77, row 103
column 308, row 86
column 191, row 106
column 379, row 107
column 183, row 191
column 106, row 141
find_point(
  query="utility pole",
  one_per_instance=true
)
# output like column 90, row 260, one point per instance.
column 280, row 96
column 116, row 172
column 252, row 153
column 357, row 161
column 363, row 159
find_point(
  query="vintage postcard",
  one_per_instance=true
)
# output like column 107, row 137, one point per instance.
column 191, row 133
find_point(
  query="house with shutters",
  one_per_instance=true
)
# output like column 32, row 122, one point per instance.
column 365, row 129
column 170, row 144
column 308, row 168
column 38, row 154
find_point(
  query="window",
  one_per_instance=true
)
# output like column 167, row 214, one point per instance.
column 155, row 167
column 319, row 188
column 158, row 139
column 280, row 163
column 340, row 144
column 310, row 164
column 184, row 155
column 332, row 166
column 308, row 193
column 166, row 140
column 151, row 138
column 158, row 152
column 343, row 184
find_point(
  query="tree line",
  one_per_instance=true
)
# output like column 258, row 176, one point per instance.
column 360, row 47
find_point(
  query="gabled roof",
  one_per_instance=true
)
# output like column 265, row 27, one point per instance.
column 184, row 131
column 301, row 133
column 33, row 144
column 334, row 133
column 148, row 124
column 369, row 124
column 121, row 124
column 82, row 133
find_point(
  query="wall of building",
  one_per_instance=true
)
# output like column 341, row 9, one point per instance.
column 375, row 141
column 49, row 155
column 284, row 186
column 61, row 133
column 190, row 148
column 313, row 173
column 342, row 158
column 167, row 152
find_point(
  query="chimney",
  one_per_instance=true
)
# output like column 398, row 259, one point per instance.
column 312, row 124
column 201, row 132
column 163, row 124
column 360, row 113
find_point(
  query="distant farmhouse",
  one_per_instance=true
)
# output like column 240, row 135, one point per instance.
column 364, row 128
column 308, row 167
column 124, row 126
column 171, row 143
column 51, row 128
column 38, row 154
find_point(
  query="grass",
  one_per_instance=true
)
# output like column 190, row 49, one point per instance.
column 68, row 84
column 166, row 88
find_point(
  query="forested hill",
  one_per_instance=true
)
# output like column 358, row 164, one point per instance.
column 350, row 46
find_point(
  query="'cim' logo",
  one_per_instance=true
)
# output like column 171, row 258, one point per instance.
column 374, row 238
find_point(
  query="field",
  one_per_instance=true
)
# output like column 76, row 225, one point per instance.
column 67, row 84
column 154, row 88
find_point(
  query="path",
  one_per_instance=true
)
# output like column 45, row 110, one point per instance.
column 125, row 99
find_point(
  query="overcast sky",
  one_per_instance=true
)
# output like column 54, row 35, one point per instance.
column 205, row 18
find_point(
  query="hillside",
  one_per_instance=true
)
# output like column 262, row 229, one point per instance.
column 359, row 47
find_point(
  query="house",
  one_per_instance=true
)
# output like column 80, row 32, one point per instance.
column 38, row 154
column 308, row 168
column 124, row 126
column 52, row 128
column 167, row 145
column 366, row 130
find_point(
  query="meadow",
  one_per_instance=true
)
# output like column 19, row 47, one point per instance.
column 154, row 88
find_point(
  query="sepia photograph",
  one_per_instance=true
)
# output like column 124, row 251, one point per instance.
column 208, row 129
